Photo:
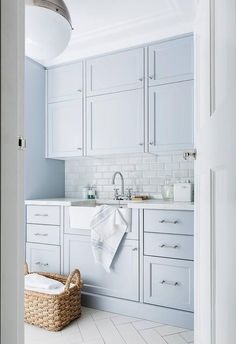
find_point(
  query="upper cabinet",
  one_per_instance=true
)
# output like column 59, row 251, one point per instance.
column 115, row 123
column 65, row 82
column 137, row 100
column 171, row 61
column 171, row 117
column 115, row 72
column 65, row 129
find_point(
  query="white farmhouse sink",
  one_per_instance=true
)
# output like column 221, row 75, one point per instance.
column 81, row 215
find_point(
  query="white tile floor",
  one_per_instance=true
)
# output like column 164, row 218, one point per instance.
column 98, row 327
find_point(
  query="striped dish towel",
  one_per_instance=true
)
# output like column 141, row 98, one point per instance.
column 108, row 227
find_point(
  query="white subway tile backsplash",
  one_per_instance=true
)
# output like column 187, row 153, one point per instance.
column 145, row 173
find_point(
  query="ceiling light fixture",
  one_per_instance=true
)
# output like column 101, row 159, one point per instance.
column 47, row 28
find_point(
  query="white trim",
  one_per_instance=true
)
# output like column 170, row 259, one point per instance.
column 12, row 172
column 212, row 57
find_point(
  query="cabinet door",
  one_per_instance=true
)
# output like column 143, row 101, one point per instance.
column 115, row 72
column 44, row 258
column 115, row 123
column 171, row 61
column 65, row 129
column 65, row 82
column 171, row 117
column 123, row 279
column 168, row 282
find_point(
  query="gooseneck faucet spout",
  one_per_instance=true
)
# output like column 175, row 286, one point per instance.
column 122, row 182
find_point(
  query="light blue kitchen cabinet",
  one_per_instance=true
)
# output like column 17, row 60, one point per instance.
column 169, row 283
column 115, row 123
column 121, row 282
column 171, row 117
column 170, row 61
column 43, row 258
column 65, row 82
column 115, row 72
column 65, row 129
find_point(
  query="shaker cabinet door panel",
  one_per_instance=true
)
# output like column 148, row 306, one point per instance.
column 123, row 279
column 115, row 123
column 171, row 61
column 168, row 283
column 43, row 258
column 65, row 129
column 115, row 72
column 171, row 117
column 65, row 82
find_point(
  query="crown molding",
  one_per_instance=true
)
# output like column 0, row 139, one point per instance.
column 120, row 40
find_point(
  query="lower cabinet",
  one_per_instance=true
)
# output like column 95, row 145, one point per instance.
column 43, row 258
column 169, row 283
column 123, row 279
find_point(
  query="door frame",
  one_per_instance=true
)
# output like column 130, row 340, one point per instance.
column 12, row 171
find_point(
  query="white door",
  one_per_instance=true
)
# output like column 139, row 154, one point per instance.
column 215, row 306
column 12, row 172
column 65, row 128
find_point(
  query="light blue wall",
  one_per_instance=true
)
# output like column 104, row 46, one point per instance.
column 43, row 177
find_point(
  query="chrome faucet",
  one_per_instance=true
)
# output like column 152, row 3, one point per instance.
column 116, row 195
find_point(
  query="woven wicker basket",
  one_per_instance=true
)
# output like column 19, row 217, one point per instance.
column 54, row 312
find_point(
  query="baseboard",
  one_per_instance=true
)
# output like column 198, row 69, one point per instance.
column 159, row 314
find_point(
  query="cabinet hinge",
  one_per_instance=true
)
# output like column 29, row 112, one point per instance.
column 21, row 143
column 190, row 155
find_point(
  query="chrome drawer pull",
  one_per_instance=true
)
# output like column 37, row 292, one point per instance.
column 168, row 221
column 175, row 284
column 39, row 234
column 168, row 246
column 41, row 264
column 41, row 215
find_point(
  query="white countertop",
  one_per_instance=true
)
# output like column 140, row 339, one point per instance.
column 150, row 204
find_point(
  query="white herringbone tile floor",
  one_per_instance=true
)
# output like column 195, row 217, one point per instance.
column 98, row 327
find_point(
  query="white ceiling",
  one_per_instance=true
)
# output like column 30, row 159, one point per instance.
column 106, row 25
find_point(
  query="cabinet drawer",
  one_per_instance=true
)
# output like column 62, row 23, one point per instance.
column 169, row 221
column 45, row 258
column 168, row 245
column 44, row 234
column 43, row 214
column 168, row 282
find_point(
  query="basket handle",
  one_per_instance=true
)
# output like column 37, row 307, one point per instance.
column 26, row 269
column 76, row 274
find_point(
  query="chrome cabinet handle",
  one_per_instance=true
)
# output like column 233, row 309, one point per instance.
column 39, row 234
column 151, row 77
column 140, row 144
column 175, row 284
column 169, row 246
column 140, row 79
column 151, row 143
column 135, row 249
column 79, row 90
column 41, row 215
column 169, row 221
column 41, row 264
column 79, row 148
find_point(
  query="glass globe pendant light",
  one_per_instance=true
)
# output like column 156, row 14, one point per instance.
column 47, row 28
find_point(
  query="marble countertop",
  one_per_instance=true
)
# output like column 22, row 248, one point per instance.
column 149, row 204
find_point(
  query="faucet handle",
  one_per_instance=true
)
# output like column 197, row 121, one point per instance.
column 116, row 193
column 129, row 193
